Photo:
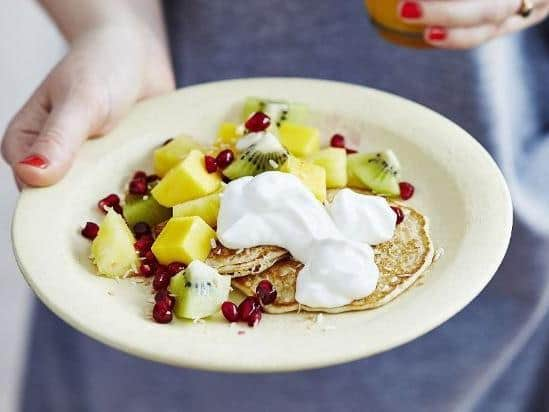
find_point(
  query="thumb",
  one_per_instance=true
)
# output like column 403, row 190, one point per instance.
column 50, row 156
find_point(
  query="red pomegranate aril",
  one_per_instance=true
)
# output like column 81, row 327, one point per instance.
column 164, row 296
column 143, row 244
column 399, row 213
column 150, row 258
column 230, row 311
column 90, row 230
column 162, row 312
column 139, row 175
column 247, row 307
column 210, row 163
column 118, row 209
column 224, row 158
column 406, row 190
column 337, row 140
column 175, row 267
column 111, row 200
column 265, row 292
column 258, row 122
column 161, row 278
column 146, row 270
column 167, row 141
column 141, row 229
column 255, row 318
column 152, row 178
column 139, row 187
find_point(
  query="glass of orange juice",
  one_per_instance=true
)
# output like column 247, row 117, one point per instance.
column 384, row 15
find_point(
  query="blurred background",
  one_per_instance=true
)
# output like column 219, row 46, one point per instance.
column 30, row 48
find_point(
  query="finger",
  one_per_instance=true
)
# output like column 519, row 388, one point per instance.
column 459, row 13
column 459, row 38
column 25, row 126
column 469, row 37
column 52, row 152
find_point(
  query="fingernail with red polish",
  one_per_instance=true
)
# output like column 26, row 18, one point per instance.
column 35, row 161
column 436, row 33
column 411, row 10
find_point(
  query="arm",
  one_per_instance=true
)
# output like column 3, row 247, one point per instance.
column 118, row 55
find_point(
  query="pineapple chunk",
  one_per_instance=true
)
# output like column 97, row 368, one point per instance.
column 186, row 181
column 206, row 207
column 352, row 179
column 334, row 161
column 112, row 250
column 170, row 155
column 227, row 136
column 312, row 176
column 183, row 239
column 301, row 141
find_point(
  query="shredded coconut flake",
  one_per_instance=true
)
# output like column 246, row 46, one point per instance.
column 213, row 243
column 239, row 251
column 145, row 197
column 198, row 321
column 273, row 164
column 438, row 254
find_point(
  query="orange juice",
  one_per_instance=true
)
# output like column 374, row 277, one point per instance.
column 384, row 15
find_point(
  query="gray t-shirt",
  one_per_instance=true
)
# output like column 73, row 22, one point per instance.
column 490, row 357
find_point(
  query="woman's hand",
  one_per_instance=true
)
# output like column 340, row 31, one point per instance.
column 462, row 24
column 105, row 72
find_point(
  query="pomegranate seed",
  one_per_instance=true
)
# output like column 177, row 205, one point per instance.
column 258, row 122
column 224, row 158
column 118, row 208
column 146, row 270
column 399, row 213
column 265, row 292
column 210, row 163
column 255, row 318
column 150, row 258
column 337, row 140
column 230, row 311
column 139, row 175
column 350, row 151
column 167, row 142
column 164, row 295
column 139, row 187
column 152, row 178
column 141, row 229
column 111, row 200
column 247, row 307
column 406, row 190
column 162, row 313
column 161, row 278
column 90, row 230
column 143, row 244
column 175, row 267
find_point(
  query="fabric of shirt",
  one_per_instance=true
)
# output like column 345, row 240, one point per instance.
column 492, row 356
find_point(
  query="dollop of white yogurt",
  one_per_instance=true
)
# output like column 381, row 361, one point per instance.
column 275, row 208
column 363, row 218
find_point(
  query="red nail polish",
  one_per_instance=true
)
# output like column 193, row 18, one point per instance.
column 35, row 161
column 411, row 10
column 436, row 33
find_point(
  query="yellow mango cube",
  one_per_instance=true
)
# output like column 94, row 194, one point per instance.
column 170, row 155
column 312, row 176
column 301, row 141
column 183, row 239
column 186, row 181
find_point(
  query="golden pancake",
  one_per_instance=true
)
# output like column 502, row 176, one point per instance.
column 401, row 261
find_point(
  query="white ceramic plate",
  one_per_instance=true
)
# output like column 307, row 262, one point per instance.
column 459, row 188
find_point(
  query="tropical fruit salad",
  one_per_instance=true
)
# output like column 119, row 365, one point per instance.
column 267, row 211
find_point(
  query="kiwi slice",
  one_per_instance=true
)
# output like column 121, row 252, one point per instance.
column 144, row 209
column 278, row 111
column 262, row 156
column 378, row 171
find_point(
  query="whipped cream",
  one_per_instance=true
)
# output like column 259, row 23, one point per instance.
column 363, row 218
column 275, row 208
